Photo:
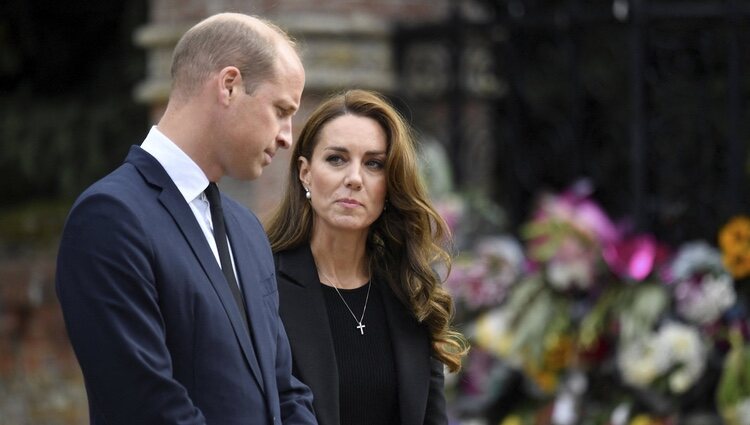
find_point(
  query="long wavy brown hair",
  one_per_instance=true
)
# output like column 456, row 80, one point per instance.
column 405, row 242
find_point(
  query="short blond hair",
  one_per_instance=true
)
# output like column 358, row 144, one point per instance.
column 247, row 42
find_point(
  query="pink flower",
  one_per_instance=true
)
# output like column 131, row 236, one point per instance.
column 635, row 257
column 452, row 209
column 575, row 207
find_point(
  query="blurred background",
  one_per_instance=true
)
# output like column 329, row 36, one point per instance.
column 591, row 157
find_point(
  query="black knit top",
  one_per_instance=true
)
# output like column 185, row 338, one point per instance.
column 368, row 384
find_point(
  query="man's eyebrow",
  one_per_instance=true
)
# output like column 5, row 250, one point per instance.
column 287, row 105
column 287, row 108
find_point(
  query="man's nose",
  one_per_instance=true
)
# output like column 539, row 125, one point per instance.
column 284, row 139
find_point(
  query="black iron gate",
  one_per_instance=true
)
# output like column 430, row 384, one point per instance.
column 646, row 98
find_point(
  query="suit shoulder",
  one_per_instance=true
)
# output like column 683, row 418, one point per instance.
column 124, row 183
column 117, row 200
column 242, row 211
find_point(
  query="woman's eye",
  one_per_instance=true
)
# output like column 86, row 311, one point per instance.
column 374, row 164
column 335, row 159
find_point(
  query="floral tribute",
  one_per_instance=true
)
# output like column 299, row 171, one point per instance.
column 580, row 320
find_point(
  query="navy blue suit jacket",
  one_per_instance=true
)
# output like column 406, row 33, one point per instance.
column 157, row 333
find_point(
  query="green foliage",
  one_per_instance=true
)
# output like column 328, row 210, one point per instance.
column 67, row 114
column 56, row 147
column 531, row 310
column 639, row 308
column 31, row 225
column 734, row 385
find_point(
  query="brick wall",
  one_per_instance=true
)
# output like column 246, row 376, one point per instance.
column 40, row 382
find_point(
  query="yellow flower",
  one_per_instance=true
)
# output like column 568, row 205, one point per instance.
column 512, row 420
column 642, row 420
column 493, row 333
column 734, row 240
column 559, row 352
column 546, row 381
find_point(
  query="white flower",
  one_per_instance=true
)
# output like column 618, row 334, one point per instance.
column 641, row 361
column 564, row 410
column 681, row 341
column 743, row 411
column 680, row 380
column 620, row 414
column 565, row 274
column 687, row 353
column 696, row 257
column 706, row 301
column 675, row 348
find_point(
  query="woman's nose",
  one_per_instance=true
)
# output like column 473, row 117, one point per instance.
column 353, row 179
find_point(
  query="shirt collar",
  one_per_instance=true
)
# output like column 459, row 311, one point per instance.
column 190, row 180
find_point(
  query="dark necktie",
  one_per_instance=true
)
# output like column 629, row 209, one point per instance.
column 220, row 236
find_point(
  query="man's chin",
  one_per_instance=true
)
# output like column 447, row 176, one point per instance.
column 248, row 175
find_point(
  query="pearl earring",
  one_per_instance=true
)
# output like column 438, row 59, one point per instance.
column 308, row 195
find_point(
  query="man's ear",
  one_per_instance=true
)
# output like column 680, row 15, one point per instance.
column 229, row 81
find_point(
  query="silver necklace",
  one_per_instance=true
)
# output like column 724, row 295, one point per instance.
column 360, row 326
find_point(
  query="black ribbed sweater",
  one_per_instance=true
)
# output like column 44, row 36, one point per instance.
column 368, row 384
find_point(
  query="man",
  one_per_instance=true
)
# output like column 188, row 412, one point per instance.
column 169, row 323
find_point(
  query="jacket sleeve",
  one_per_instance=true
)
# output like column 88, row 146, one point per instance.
column 436, row 413
column 107, row 290
column 295, row 398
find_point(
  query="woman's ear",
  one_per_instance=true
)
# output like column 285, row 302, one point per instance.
column 304, row 171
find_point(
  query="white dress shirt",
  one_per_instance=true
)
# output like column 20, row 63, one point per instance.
column 190, row 180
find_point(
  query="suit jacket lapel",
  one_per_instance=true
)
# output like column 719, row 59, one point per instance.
column 246, row 263
column 174, row 203
column 306, row 323
column 409, row 343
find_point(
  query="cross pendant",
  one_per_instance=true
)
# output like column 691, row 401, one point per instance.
column 361, row 328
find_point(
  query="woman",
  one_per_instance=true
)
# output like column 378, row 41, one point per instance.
column 355, row 238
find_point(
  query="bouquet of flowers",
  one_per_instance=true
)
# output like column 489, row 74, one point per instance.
column 580, row 302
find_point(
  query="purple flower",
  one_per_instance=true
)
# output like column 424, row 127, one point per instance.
column 484, row 279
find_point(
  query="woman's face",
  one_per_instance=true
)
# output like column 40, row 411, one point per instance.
column 346, row 174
